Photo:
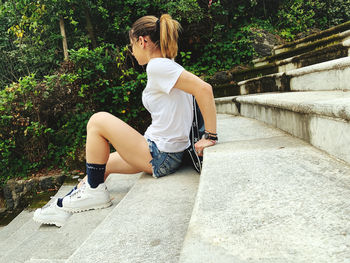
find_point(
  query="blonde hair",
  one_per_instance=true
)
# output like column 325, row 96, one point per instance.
column 164, row 33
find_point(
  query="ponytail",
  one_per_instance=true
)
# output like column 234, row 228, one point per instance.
column 169, row 34
column 164, row 33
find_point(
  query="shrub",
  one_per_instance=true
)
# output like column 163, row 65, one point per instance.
column 300, row 16
column 43, row 123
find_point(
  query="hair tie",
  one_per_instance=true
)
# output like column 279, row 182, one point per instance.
column 158, row 25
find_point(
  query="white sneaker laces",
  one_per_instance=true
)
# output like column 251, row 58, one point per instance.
column 78, row 191
column 49, row 204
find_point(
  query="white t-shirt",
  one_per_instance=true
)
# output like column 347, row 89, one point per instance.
column 171, row 109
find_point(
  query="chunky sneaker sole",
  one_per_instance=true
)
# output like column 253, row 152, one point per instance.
column 51, row 214
column 87, row 198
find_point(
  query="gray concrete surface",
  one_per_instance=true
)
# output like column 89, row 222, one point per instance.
column 268, row 197
column 320, row 118
column 13, row 226
column 149, row 225
column 45, row 261
column 36, row 242
column 22, row 227
column 335, row 104
column 327, row 76
column 330, row 75
column 226, row 105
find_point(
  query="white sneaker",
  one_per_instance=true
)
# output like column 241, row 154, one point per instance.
column 87, row 198
column 51, row 214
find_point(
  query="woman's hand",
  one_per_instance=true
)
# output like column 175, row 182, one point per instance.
column 201, row 144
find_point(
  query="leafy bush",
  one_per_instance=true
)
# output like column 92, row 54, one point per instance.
column 226, row 50
column 300, row 16
column 43, row 123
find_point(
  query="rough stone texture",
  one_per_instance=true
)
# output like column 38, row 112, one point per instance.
column 313, row 57
column 330, row 35
column 34, row 242
column 45, row 261
column 227, row 105
column 321, row 118
column 149, row 225
column 16, row 191
column 268, row 83
column 334, row 104
column 13, row 226
column 263, row 42
column 268, row 197
column 331, row 75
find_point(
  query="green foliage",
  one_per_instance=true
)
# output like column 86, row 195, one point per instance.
column 225, row 51
column 300, row 16
column 45, row 104
column 43, row 123
column 297, row 16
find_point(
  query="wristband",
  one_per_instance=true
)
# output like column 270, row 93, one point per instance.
column 210, row 136
column 206, row 131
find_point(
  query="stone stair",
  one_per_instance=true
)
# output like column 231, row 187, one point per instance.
column 276, row 188
column 270, row 73
column 23, row 239
column 284, row 185
column 326, row 45
column 266, row 196
column 263, row 196
column 148, row 221
column 149, row 225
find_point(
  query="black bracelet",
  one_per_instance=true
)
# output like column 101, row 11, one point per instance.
column 210, row 136
column 211, row 133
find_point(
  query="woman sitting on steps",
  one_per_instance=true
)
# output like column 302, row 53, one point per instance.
column 168, row 98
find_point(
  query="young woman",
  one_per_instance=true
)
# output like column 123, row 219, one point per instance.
column 168, row 98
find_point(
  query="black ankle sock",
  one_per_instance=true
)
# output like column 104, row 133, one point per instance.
column 95, row 174
column 59, row 200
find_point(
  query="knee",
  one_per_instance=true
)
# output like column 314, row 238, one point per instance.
column 96, row 120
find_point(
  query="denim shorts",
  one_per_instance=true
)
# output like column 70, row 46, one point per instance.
column 163, row 163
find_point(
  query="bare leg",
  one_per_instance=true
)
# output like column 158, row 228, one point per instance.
column 104, row 127
column 131, row 146
column 116, row 164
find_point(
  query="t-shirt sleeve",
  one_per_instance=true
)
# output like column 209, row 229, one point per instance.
column 163, row 74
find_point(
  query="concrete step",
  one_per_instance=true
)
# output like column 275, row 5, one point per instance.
column 330, row 75
column 318, row 117
column 45, row 261
column 21, row 228
column 266, row 196
column 14, row 225
column 36, row 242
column 323, row 38
column 149, row 225
column 314, row 56
column 326, row 46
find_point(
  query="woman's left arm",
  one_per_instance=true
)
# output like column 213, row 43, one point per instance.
column 203, row 93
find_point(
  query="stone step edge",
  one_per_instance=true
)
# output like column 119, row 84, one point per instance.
column 320, row 35
column 10, row 228
column 27, row 226
column 216, row 239
column 339, row 63
column 295, row 59
column 143, row 181
column 302, row 48
column 322, row 121
column 61, row 192
column 283, row 79
column 333, row 111
column 232, row 105
column 102, row 222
